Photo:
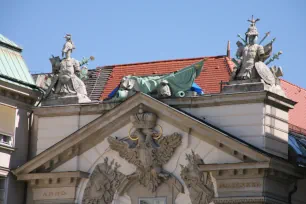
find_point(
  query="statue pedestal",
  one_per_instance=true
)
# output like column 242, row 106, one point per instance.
column 244, row 86
column 250, row 85
column 65, row 99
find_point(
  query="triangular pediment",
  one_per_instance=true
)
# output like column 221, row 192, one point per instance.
column 96, row 131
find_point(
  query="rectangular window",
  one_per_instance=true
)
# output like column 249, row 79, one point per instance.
column 160, row 200
column 2, row 188
column 7, row 124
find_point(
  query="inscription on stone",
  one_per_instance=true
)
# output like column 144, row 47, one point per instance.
column 240, row 185
column 53, row 193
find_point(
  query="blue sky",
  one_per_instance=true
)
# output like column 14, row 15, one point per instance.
column 117, row 32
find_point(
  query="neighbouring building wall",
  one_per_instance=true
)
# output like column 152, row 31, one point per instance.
column 299, row 197
column 17, row 189
column 14, row 129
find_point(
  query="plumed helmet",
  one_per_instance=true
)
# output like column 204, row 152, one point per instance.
column 68, row 36
column 252, row 30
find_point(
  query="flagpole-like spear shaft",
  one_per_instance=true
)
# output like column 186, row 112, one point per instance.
column 239, row 36
column 276, row 56
column 267, row 34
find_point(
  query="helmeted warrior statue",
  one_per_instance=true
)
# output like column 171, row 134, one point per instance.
column 66, row 85
column 250, row 53
column 251, row 63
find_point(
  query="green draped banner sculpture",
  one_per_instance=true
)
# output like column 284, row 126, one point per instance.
column 174, row 84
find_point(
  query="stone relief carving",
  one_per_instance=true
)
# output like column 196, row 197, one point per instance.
column 103, row 183
column 151, row 152
column 199, row 183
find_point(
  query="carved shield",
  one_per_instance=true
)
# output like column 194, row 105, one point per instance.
column 265, row 73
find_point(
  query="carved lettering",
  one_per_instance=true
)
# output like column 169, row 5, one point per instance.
column 53, row 194
column 240, row 185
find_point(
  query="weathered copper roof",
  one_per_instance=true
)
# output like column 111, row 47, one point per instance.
column 12, row 64
column 8, row 42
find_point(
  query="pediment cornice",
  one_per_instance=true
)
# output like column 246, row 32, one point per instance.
column 97, row 130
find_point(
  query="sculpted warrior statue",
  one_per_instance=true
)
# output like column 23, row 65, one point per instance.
column 249, row 54
column 65, row 80
column 68, row 81
column 252, row 60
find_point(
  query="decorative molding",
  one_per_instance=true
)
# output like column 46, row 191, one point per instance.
column 199, row 184
column 232, row 98
column 103, row 183
column 19, row 94
column 241, row 165
column 91, row 108
column 247, row 200
column 55, row 179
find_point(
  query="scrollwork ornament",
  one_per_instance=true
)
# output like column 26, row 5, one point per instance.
column 199, row 183
column 103, row 183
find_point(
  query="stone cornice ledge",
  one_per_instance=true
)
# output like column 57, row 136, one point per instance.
column 274, row 164
column 75, row 109
column 241, row 165
column 54, row 179
column 250, row 200
column 70, row 174
column 7, row 148
column 229, row 99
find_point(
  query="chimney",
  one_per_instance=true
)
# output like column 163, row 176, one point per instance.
column 228, row 50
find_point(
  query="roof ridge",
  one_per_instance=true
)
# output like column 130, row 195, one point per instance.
column 9, row 43
column 293, row 84
column 158, row 61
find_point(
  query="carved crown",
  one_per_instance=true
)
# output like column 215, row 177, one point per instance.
column 143, row 120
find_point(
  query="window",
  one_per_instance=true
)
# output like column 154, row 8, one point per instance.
column 7, row 124
column 5, row 139
column 2, row 188
column 160, row 200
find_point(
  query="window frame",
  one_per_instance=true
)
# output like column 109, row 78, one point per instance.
column 12, row 136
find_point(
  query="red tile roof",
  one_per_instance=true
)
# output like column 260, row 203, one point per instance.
column 297, row 116
column 216, row 69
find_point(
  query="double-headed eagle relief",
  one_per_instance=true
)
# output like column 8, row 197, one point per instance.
column 151, row 152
